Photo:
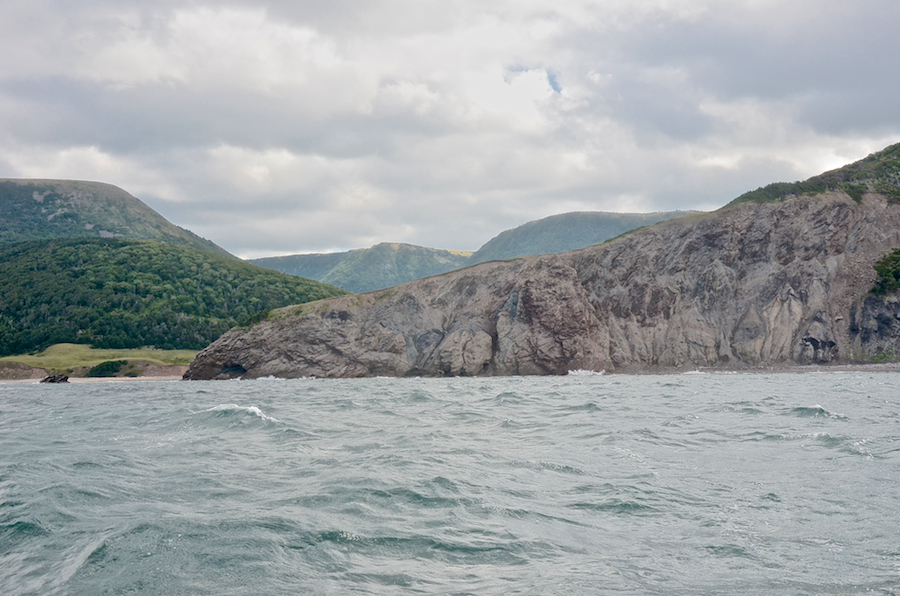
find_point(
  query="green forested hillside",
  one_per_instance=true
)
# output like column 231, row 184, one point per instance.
column 115, row 293
column 43, row 209
column 568, row 231
column 363, row 270
column 879, row 173
column 390, row 264
column 314, row 266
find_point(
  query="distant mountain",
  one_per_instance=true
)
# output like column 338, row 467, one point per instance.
column 391, row 264
column 565, row 232
column 32, row 209
column 366, row 269
column 314, row 266
column 114, row 293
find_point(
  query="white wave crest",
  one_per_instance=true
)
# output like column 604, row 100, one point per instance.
column 247, row 409
column 585, row 373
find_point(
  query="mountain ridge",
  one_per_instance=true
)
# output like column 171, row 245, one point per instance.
column 367, row 269
column 564, row 232
column 389, row 264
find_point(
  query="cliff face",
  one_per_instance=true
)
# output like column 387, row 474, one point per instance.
column 748, row 286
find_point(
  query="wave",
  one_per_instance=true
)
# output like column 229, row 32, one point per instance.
column 815, row 411
column 586, row 373
column 616, row 506
column 232, row 409
column 274, row 378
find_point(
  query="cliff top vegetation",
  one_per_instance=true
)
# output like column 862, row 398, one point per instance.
column 878, row 173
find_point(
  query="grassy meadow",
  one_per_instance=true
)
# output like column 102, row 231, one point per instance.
column 63, row 358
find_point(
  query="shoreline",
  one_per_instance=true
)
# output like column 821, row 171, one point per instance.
column 122, row 379
column 888, row 367
column 20, row 373
column 78, row 380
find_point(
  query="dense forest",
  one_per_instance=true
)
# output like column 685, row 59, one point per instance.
column 115, row 293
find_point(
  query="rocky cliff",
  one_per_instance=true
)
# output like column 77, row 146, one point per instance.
column 751, row 285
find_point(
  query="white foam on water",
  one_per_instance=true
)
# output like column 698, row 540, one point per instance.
column 585, row 373
column 819, row 410
column 247, row 409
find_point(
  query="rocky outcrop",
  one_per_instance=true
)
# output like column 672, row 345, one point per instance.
column 754, row 285
column 55, row 379
column 521, row 317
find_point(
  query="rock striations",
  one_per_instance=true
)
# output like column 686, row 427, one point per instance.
column 752, row 285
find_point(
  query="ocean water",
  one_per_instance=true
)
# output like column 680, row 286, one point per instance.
column 670, row 484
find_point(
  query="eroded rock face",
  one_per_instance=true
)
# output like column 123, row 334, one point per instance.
column 875, row 327
column 750, row 286
column 521, row 317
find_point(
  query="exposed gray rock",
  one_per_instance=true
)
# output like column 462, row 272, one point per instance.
column 748, row 286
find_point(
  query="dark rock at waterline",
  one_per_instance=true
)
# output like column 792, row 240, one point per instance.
column 55, row 379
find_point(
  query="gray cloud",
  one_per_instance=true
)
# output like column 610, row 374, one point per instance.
column 277, row 127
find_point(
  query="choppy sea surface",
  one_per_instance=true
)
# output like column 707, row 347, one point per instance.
column 671, row 484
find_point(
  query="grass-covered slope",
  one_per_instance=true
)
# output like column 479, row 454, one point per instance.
column 66, row 357
column 878, row 173
column 115, row 293
column 43, row 209
column 367, row 269
column 565, row 232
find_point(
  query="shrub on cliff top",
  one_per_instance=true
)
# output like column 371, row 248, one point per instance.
column 106, row 369
column 879, row 173
column 888, row 269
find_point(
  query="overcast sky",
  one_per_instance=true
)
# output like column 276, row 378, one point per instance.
column 290, row 126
